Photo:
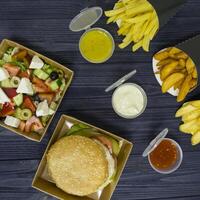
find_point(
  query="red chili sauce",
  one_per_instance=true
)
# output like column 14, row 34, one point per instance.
column 164, row 156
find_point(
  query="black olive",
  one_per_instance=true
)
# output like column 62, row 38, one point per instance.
column 54, row 75
column 36, row 98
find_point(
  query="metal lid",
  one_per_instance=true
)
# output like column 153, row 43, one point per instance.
column 155, row 142
column 120, row 81
column 85, row 19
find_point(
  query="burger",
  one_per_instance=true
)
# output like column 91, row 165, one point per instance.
column 83, row 161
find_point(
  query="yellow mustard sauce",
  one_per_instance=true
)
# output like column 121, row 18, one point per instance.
column 96, row 46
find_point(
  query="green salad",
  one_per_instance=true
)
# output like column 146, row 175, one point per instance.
column 29, row 90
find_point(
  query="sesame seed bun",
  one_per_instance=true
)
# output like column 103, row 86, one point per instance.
column 78, row 165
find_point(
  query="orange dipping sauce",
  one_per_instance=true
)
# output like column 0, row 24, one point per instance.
column 165, row 155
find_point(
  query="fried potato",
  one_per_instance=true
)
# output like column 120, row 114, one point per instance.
column 195, row 139
column 178, row 84
column 174, row 50
column 191, row 116
column 182, row 63
column 185, row 109
column 190, row 127
column 190, row 65
column 195, row 103
column 193, row 83
column 168, row 69
column 171, row 80
column 139, row 14
column 185, row 88
column 161, row 55
column 194, row 73
column 181, row 55
column 172, row 61
column 164, row 62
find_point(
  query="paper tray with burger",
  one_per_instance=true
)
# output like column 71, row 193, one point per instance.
column 81, row 161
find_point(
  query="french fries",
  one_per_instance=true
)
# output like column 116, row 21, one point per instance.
column 176, row 69
column 138, row 22
column 190, row 113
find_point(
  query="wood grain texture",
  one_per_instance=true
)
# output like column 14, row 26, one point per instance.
column 43, row 26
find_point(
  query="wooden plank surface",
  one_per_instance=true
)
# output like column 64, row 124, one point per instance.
column 43, row 26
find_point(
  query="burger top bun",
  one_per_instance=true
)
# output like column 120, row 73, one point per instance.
column 78, row 165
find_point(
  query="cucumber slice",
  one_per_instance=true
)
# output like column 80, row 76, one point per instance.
column 17, row 113
column 6, row 83
column 41, row 74
column 45, row 67
column 45, row 119
column 15, row 81
column 2, row 62
column 54, row 85
column 18, row 100
column 62, row 87
column 7, row 57
column 26, row 114
column 53, row 105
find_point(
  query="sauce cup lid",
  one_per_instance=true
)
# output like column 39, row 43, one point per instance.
column 155, row 142
column 120, row 81
column 85, row 19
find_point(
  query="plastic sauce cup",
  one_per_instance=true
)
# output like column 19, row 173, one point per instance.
column 129, row 100
column 96, row 45
column 160, row 152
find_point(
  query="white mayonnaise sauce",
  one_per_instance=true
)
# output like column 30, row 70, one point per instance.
column 128, row 100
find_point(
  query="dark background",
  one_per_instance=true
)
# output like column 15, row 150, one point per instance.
column 43, row 26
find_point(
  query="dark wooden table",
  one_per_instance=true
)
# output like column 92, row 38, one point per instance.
column 43, row 26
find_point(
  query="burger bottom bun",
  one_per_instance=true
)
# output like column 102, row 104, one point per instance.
column 78, row 165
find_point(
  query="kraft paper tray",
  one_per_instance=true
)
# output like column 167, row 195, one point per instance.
column 44, row 183
column 34, row 136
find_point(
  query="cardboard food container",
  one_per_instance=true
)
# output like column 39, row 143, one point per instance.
column 43, row 182
column 34, row 136
column 191, row 48
column 166, row 9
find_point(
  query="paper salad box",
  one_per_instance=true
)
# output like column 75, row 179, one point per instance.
column 44, row 183
column 5, row 44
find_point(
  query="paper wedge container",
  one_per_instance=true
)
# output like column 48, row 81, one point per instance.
column 34, row 136
column 191, row 48
column 166, row 9
column 44, row 183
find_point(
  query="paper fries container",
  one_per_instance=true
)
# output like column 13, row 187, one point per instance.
column 44, row 183
column 191, row 48
column 166, row 9
column 34, row 136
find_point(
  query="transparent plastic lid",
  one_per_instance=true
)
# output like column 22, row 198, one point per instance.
column 85, row 19
column 155, row 142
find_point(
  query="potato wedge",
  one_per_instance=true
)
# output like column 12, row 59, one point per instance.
column 181, row 55
column 182, row 63
column 168, row 69
column 193, row 83
column 164, row 62
column 161, row 55
column 185, row 88
column 171, row 80
column 190, row 65
column 185, row 109
column 195, row 138
column 190, row 127
column 194, row 73
column 174, row 50
column 178, row 84
column 191, row 116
